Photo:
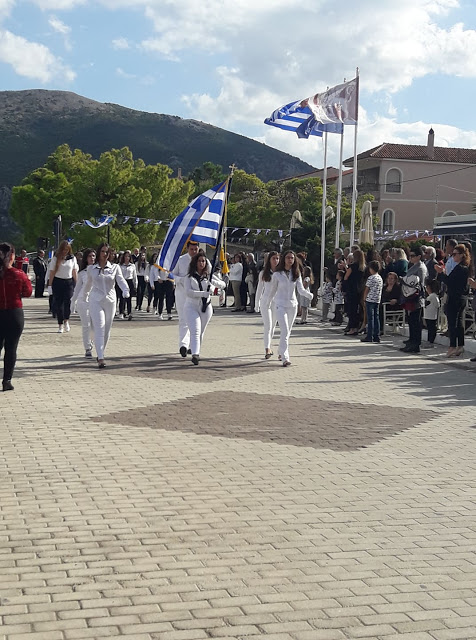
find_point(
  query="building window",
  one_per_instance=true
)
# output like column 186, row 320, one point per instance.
column 388, row 220
column 448, row 213
column 393, row 181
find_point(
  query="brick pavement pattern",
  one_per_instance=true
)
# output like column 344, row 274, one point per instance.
column 330, row 500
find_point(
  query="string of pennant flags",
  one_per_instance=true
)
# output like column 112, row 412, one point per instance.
column 103, row 221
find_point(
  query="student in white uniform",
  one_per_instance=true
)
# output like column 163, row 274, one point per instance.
column 102, row 277
column 63, row 272
column 162, row 284
column 80, row 300
column 268, row 311
column 197, row 308
column 180, row 273
column 130, row 276
column 284, row 283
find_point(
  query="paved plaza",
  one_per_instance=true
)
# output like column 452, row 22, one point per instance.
column 331, row 500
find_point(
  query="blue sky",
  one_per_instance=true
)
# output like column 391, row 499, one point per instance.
column 231, row 62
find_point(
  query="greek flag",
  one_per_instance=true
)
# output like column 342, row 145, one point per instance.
column 301, row 120
column 102, row 222
column 199, row 221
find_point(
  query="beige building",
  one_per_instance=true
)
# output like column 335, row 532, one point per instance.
column 414, row 184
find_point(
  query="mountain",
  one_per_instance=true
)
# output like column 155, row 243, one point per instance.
column 34, row 123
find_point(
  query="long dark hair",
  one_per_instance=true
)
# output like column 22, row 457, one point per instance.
column 267, row 272
column 99, row 249
column 153, row 259
column 84, row 261
column 6, row 251
column 122, row 258
column 192, row 269
column 296, row 272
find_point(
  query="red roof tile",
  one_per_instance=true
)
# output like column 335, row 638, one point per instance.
column 417, row 152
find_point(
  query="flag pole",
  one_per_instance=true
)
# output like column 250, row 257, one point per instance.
column 355, row 169
column 222, row 221
column 323, row 216
column 339, row 189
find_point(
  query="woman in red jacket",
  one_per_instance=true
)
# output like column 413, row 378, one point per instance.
column 14, row 285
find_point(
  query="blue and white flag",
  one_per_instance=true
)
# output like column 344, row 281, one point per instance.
column 199, row 221
column 102, row 222
column 301, row 120
column 327, row 111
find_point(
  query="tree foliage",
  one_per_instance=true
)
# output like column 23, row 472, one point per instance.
column 77, row 187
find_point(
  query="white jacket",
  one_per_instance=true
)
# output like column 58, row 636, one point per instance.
column 80, row 294
column 193, row 293
column 180, row 271
column 262, row 293
column 101, row 282
column 129, row 272
column 236, row 272
column 283, row 290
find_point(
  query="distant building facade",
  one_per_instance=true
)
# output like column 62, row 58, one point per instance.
column 414, row 184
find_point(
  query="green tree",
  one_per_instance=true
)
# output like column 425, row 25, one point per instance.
column 78, row 187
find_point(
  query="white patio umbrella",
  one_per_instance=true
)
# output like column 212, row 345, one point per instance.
column 366, row 224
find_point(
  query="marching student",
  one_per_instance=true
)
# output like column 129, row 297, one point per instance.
column 284, row 282
column 162, row 284
column 180, row 273
column 63, row 272
column 102, row 277
column 197, row 307
column 80, row 300
column 130, row 276
column 141, row 269
column 150, row 291
column 267, row 308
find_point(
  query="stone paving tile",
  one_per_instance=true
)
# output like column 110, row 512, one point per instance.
column 183, row 534
column 279, row 420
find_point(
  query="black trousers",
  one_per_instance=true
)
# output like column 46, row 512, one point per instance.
column 39, row 286
column 125, row 304
column 454, row 314
column 12, row 322
column 62, row 294
column 140, row 291
column 164, row 290
column 431, row 326
column 354, row 310
column 414, row 327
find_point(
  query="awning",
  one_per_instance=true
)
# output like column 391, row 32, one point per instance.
column 455, row 229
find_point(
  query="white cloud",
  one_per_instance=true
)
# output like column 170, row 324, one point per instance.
column 57, row 25
column 58, row 5
column 123, row 74
column 120, row 43
column 31, row 59
column 63, row 29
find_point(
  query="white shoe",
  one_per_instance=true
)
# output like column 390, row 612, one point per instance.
column 161, row 317
column 60, row 328
column 66, row 326
column 170, row 317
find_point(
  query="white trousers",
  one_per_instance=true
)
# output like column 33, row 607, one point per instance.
column 269, row 324
column 285, row 317
column 184, row 333
column 102, row 315
column 197, row 322
column 83, row 310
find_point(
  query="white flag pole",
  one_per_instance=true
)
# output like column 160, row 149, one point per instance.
column 355, row 169
column 339, row 188
column 323, row 217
